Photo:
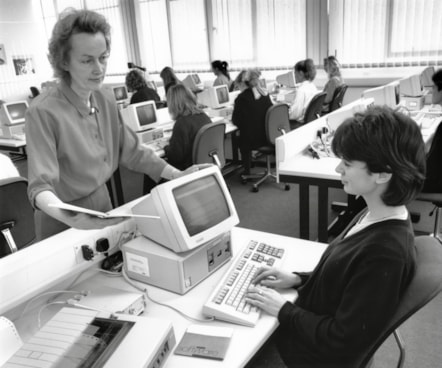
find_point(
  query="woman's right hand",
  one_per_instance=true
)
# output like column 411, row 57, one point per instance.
column 84, row 221
column 276, row 278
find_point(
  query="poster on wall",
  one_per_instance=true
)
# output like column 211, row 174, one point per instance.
column 2, row 54
column 23, row 65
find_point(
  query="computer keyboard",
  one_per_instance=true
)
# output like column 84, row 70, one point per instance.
column 158, row 144
column 227, row 300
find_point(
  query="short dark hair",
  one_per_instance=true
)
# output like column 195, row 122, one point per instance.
column 437, row 79
column 135, row 80
column 70, row 22
column 387, row 141
column 307, row 67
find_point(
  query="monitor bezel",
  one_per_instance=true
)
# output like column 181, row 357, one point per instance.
column 114, row 88
column 218, row 104
column 10, row 120
column 142, row 104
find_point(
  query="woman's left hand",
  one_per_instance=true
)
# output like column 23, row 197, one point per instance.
column 266, row 299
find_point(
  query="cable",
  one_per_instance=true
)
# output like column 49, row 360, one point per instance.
column 41, row 310
column 145, row 291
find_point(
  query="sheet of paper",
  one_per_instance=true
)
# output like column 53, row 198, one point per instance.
column 10, row 340
column 70, row 207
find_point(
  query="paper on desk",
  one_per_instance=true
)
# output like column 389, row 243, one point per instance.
column 71, row 207
column 10, row 340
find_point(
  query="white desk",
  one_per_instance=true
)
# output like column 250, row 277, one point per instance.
column 16, row 146
column 301, row 255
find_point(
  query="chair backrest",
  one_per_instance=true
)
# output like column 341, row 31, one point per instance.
column 338, row 97
column 34, row 91
column 277, row 122
column 208, row 146
column 425, row 285
column 314, row 108
column 16, row 213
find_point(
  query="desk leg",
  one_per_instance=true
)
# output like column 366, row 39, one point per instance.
column 304, row 211
column 322, row 213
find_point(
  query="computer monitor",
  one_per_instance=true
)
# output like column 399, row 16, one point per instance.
column 411, row 86
column 384, row 95
column 120, row 93
column 140, row 116
column 193, row 82
column 191, row 210
column 426, row 76
column 214, row 97
column 263, row 83
column 12, row 113
column 287, row 79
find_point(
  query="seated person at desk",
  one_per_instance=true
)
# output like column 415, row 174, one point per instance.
column 136, row 83
column 249, row 113
column 219, row 68
column 305, row 73
column 7, row 168
column 169, row 78
column 189, row 118
column 238, row 83
column 346, row 301
column 332, row 67
column 75, row 136
column 433, row 181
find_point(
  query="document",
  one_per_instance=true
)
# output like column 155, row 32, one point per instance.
column 115, row 213
column 205, row 342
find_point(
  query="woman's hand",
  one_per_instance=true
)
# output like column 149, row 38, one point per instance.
column 275, row 278
column 266, row 299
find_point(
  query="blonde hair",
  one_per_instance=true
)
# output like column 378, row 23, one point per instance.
column 181, row 101
column 251, row 80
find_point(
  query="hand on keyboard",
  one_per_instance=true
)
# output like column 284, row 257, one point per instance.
column 266, row 299
column 276, row 278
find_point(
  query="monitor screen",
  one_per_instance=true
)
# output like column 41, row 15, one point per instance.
column 188, row 211
column 222, row 95
column 194, row 204
column 146, row 114
column 13, row 112
column 120, row 93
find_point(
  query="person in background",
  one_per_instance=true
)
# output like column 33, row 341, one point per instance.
column 169, row 78
column 220, row 69
column 344, row 304
column 332, row 68
column 136, row 83
column 189, row 118
column 74, row 133
column 249, row 114
column 7, row 168
column 305, row 73
column 433, row 181
column 238, row 82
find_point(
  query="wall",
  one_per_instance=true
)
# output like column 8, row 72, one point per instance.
column 22, row 35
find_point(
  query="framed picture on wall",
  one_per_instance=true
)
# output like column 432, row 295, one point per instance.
column 23, row 65
column 2, row 54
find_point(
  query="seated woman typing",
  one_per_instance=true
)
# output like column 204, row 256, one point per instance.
column 249, row 114
column 305, row 73
column 356, row 287
column 189, row 118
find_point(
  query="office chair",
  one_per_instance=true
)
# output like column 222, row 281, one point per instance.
column 338, row 97
column 276, row 123
column 425, row 286
column 208, row 146
column 16, row 216
column 436, row 199
column 312, row 112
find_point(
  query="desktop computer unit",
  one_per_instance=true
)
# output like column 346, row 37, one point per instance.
column 12, row 131
column 153, row 264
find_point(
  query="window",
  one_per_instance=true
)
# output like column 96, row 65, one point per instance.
column 390, row 32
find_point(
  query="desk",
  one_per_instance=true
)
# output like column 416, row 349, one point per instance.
column 16, row 146
column 301, row 255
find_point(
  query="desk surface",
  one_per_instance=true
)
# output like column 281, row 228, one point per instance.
column 302, row 255
column 6, row 142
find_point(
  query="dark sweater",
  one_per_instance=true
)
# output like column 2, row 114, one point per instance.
column 249, row 116
column 145, row 94
column 179, row 150
column 349, row 297
column 433, row 182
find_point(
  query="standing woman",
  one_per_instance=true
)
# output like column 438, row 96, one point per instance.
column 169, row 78
column 249, row 114
column 219, row 68
column 332, row 67
column 189, row 118
column 75, row 136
